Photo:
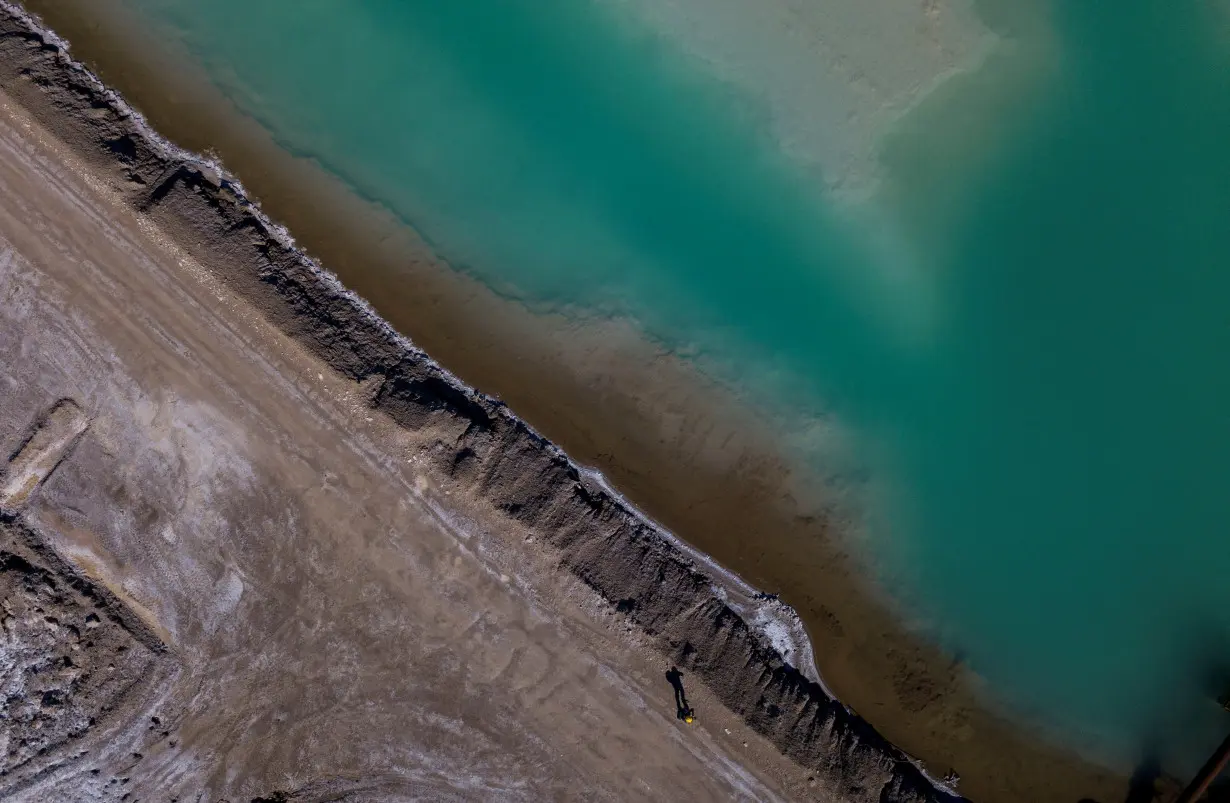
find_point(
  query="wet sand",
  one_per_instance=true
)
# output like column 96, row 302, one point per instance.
column 679, row 445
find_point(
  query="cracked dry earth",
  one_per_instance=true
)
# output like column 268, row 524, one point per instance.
column 224, row 577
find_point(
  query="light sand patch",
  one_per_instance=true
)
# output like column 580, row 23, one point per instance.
column 50, row 439
column 833, row 75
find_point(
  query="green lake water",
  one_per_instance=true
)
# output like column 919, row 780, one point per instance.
column 1035, row 359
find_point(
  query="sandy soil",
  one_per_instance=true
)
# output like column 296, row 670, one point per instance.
column 607, row 397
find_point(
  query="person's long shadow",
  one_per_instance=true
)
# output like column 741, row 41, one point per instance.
column 682, row 709
column 1142, row 788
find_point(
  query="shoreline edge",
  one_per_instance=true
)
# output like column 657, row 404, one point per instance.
column 634, row 564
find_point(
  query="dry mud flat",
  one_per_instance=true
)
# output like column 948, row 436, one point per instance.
column 256, row 546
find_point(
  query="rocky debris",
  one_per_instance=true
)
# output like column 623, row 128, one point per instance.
column 625, row 558
column 71, row 659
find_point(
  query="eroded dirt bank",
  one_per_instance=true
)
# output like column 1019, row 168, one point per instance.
column 331, row 567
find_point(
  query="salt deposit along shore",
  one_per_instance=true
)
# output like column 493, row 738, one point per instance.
column 402, row 548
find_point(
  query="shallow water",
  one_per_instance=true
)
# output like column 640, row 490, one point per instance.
column 1031, row 358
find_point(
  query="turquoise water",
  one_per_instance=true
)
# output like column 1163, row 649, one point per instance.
column 1038, row 355
column 1068, row 444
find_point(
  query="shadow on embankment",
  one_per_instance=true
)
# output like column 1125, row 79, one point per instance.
column 682, row 709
